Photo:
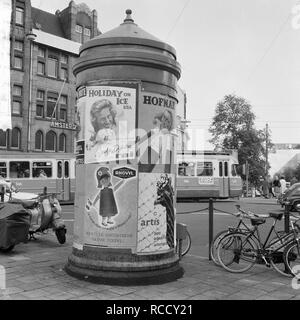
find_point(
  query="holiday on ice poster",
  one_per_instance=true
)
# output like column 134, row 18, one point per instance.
column 109, row 122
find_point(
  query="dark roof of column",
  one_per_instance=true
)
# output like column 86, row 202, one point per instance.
column 128, row 33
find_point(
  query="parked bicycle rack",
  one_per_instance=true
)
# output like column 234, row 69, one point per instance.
column 211, row 210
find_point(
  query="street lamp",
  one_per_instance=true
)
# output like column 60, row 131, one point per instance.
column 31, row 37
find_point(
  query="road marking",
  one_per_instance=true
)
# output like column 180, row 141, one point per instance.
column 198, row 257
column 68, row 220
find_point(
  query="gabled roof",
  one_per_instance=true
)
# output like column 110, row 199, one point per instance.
column 47, row 22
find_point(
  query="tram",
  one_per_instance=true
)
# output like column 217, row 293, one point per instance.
column 31, row 172
column 208, row 174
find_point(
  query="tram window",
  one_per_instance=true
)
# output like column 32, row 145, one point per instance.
column 186, row 169
column 59, row 169
column 233, row 170
column 204, row 169
column 42, row 169
column 19, row 169
column 3, row 169
column 66, row 169
column 182, row 168
column 221, row 169
column 226, row 169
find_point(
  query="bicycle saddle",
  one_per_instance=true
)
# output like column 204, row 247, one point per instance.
column 276, row 215
column 257, row 221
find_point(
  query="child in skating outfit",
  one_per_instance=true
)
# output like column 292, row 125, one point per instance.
column 107, row 206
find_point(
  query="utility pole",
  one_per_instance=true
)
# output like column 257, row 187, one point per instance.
column 267, row 138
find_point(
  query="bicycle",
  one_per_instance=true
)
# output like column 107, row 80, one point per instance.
column 246, row 248
column 241, row 226
column 183, row 240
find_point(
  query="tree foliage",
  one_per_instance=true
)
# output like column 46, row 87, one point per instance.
column 233, row 128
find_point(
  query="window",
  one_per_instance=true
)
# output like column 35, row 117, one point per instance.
column 52, row 67
column 62, row 143
column 19, row 16
column 50, row 141
column 17, row 107
column 17, row 100
column 63, row 108
column 3, row 169
column 16, row 138
column 66, row 169
column 204, row 169
column 17, row 91
column 51, row 103
column 19, row 45
column 221, row 169
column 78, row 28
column 64, row 59
column 64, row 74
column 234, row 170
column 3, row 139
column 19, row 169
column 42, row 169
column 41, row 52
column 59, row 169
column 186, row 168
column 40, row 110
column 40, row 95
column 41, row 68
column 87, row 32
column 226, row 169
column 18, row 63
column 39, row 140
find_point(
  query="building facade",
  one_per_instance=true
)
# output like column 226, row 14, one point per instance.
column 43, row 93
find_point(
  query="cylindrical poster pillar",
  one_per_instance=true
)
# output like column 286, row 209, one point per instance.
column 125, row 217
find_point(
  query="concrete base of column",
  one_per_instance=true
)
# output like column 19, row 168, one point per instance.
column 121, row 268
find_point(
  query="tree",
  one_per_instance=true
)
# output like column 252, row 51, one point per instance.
column 233, row 128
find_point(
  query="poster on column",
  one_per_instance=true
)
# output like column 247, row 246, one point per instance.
column 110, row 212
column 80, row 123
column 157, row 130
column 156, row 213
column 110, row 120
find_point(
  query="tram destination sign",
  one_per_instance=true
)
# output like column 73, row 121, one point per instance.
column 63, row 125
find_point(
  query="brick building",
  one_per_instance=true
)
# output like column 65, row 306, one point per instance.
column 43, row 96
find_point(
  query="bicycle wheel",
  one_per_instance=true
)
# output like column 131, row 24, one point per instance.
column 236, row 252
column 214, row 246
column 277, row 261
column 291, row 257
column 186, row 244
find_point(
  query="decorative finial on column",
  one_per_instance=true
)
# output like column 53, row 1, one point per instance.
column 128, row 17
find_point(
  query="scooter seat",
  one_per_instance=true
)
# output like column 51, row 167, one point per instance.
column 27, row 204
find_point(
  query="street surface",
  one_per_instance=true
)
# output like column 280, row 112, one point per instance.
column 35, row 270
column 197, row 221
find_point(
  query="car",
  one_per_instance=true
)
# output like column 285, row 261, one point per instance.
column 291, row 197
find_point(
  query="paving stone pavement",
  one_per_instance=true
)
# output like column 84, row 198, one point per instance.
column 35, row 271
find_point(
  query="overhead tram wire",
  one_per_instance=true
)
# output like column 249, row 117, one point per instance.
column 177, row 19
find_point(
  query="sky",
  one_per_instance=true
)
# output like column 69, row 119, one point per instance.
column 242, row 47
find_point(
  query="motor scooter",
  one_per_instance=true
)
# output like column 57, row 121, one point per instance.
column 44, row 212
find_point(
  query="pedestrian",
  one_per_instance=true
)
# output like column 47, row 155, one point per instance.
column 276, row 185
column 282, row 184
column 265, row 188
column 270, row 183
column 294, row 180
